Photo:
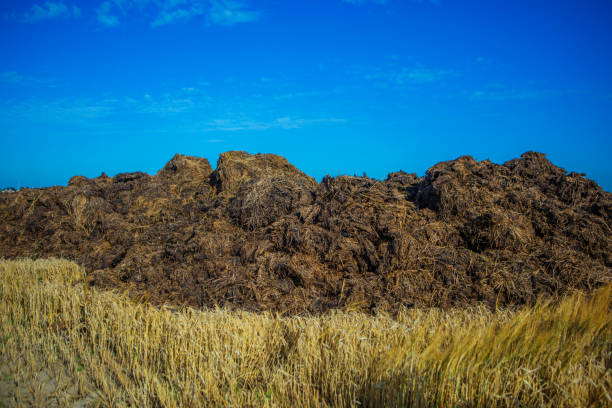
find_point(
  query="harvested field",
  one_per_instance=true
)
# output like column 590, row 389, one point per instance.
column 257, row 234
column 65, row 344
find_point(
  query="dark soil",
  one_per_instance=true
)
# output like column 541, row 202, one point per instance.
column 258, row 234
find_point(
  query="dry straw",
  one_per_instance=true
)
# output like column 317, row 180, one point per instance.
column 116, row 352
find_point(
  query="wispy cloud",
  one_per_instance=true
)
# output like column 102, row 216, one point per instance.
column 81, row 110
column 92, row 111
column 421, row 75
column 15, row 78
column 395, row 75
column 499, row 91
column 167, row 104
column 298, row 95
column 87, row 109
column 361, row 2
column 11, row 77
column 176, row 15
column 509, row 94
column 189, row 107
column 105, row 16
column 51, row 10
column 236, row 125
column 164, row 12
column 228, row 12
column 365, row 1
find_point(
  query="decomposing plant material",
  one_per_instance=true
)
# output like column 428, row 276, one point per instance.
column 258, row 234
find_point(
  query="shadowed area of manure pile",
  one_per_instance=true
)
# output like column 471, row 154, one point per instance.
column 259, row 234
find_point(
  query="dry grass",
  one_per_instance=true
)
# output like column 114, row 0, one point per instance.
column 555, row 354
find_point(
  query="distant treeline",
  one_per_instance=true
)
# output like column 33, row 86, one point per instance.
column 10, row 189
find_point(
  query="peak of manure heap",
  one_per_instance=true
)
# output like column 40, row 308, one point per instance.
column 258, row 234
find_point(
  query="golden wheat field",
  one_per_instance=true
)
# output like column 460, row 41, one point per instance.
column 64, row 344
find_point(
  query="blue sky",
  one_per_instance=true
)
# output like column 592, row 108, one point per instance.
column 336, row 86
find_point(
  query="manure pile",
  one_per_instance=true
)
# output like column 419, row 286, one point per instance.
column 258, row 234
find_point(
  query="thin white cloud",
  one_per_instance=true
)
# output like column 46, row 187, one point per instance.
column 395, row 75
column 15, row 78
column 91, row 110
column 496, row 91
column 82, row 110
column 362, row 2
column 51, row 10
column 34, row 111
column 11, row 77
column 165, row 12
column 286, row 123
column 105, row 16
column 167, row 105
column 178, row 101
column 365, row 1
column 228, row 12
column 506, row 95
column 176, row 15
column 192, row 112
column 298, row 95
column 421, row 75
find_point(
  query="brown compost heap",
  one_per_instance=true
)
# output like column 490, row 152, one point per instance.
column 258, row 234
